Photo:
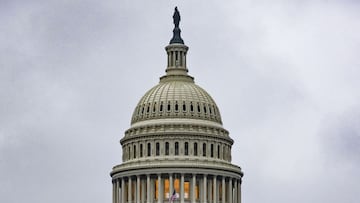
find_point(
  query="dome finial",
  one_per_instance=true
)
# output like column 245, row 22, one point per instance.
column 176, row 32
column 176, row 17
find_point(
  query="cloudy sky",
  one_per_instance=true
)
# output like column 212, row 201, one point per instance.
column 284, row 74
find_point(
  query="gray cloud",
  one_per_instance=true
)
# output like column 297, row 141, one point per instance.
column 284, row 74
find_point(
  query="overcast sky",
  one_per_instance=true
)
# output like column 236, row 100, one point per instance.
column 284, row 74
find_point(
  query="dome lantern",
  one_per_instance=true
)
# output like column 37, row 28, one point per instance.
column 176, row 50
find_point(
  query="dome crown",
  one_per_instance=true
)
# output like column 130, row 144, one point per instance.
column 176, row 99
column 177, row 95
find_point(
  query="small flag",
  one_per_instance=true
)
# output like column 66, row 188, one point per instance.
column 173, row 197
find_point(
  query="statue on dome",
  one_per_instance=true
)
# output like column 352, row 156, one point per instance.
column 176, row 17
column 176, row 37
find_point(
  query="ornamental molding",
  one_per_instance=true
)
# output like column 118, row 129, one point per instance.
column 176, row 167
column 176, row 130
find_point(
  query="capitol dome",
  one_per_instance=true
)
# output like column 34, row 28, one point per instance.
column 176, row 149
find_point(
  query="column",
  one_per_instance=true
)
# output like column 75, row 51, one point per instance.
column 123, row 190
column 138, row 189
column 235, row 191
column 116, row 199
column 168, row 64
column 171, row 182
column 182, row 188
column 193, row 187
column 204, row 188
column 214, row 190
column 223, row 190
column 117, row 191
column 113, row 191
column 209, row 190
column 230, row 191
column 143, row 189
column 173, row 58
column 183, row 59
column 239, row 191
column 148, row 198
column 129, row 190
column 160, row 194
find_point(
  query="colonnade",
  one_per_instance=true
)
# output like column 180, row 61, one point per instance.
column 189, row 188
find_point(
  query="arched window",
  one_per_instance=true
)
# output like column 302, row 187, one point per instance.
column 204, row 108
column 184, row 107
column 129, row 152
column 157, row 149
column 204, row 149
column 149, row 149
column 198, row 108
column 224, row 152
column 154, row 107
column 141, row 150
column 176, row 148
column 176, row 107
column 161, row 107
column 168, row 107
column 218, row 151
column 166, row 148
column 191, row 107
column 212, row 150
column 134, row 151
column 195, row 149
column 186, row 148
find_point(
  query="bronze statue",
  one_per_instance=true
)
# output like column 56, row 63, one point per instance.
column 176, row 37
column 176, row 17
